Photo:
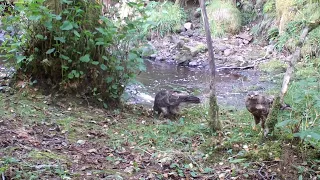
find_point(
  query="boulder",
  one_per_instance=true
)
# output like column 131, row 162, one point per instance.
column 197, row 13
column 188, row 26
column 220, row 48
column 228, row 52
column 148, row 50
column 183, row 57
column 245, row 36
column 194, row 50
column 193, row 63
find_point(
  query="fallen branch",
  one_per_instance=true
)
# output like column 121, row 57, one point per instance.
column 236, row 68
column 296, row 56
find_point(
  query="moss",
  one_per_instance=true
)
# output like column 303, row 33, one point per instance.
column 272, row 119
column 269, row 6
column 274, row 65
column 223, row 18
column 37, row 155
column 213, row 121
column 268, row 152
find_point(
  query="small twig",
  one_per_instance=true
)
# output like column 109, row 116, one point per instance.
column 144, row 150
column 198, row 165
column 259, row 172
column 3, row 177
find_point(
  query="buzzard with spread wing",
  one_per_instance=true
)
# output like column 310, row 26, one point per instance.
column 167, row 101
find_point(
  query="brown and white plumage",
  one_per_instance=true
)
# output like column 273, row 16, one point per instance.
column 168, row 101
column 259, row 106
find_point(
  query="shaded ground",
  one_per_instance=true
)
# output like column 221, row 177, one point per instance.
column 43, row 141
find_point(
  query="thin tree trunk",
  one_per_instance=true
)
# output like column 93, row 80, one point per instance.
column 279, row 102
column 214, row 122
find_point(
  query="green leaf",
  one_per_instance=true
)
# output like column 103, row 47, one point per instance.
column 35, row 18
column 105, row 58
column 20, row 58
column 237, row 160
column 173, row 165
column 67, row 25
column 109, row 79
column 142, row 67
column 48, row 25
column 76, row 74
column 140, row 60
column 119, row 68
column 58, row 17
column 99, row 43
column 85, row 58
column 64, row 67
column 132, row 56
column 193, row 174
column 95, row 62
column 114, row 86
column 103, row 67
column 102, row 31
column 50, row 51
column 207, row 170
column 76, row 33
column 285, row 123
column 40, row 36
column 67, row 2
column 105, row 105
column 61, row 39
column 64, row 57
column 70, row 75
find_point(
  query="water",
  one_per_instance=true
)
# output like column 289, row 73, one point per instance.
column 231, row 86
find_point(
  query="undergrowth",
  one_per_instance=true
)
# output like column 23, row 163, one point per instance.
column 166, row 17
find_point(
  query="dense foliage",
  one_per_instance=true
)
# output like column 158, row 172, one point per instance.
column 68, row 45
column 166, row 17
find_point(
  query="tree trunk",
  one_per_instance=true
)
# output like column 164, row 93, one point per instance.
column 214, row 122
column 272, row 116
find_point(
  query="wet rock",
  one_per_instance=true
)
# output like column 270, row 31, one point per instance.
column 220, row 48
column 159, row 58
column 148, row 50
column 129, row 169
column 3, row 75
column 153, row 56
column 92, row 151
column 188, row 33
column 197, row 13
column 166, row 160
column 183, row 58
column 194, row 50
column 228, row 52
column 81, row 142
column 245, row 36
column 193, row 64
column 245, row 41
column 114, row 177
column 179, row 44
column 235, row 42
column 238, row 59
column 188, row 26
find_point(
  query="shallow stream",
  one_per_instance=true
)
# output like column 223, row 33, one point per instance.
column 231, row 85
